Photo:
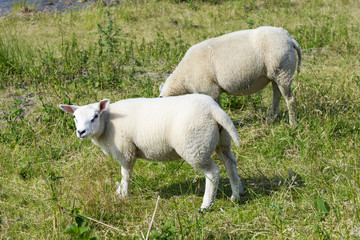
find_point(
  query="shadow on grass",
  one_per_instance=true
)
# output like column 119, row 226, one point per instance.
column 254, row 188
column 257, row 115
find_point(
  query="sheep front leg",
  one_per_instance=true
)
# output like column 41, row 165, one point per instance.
column 123, row 189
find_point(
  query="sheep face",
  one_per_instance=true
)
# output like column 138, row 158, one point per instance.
column 172, row 87
column 166, row 90
column 87, row 118
column 87, row 121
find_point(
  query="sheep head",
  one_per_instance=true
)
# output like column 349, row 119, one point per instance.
column 87, row 118
column 167, row 90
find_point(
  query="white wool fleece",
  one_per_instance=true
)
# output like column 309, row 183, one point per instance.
column 239, row 63
column 162, row 129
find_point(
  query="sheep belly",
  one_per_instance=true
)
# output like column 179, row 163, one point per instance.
column 162, row 155
column 152, row 144
column 251, row 86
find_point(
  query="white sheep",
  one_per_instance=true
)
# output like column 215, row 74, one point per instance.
column 239, row 63
column 191, row 127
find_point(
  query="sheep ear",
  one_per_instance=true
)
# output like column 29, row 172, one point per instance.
column 161, row 87
column 103, row 105
column 68, row 108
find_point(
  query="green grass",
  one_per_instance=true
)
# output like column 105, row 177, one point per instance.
column 300, row 183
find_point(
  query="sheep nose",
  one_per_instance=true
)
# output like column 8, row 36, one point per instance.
column 81, row 132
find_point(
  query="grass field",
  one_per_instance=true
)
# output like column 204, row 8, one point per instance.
column 300, row 183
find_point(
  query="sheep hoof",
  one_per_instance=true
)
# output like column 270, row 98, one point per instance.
column 235, row 198
column 205, row 208
column 122, row 196
column 270, row 119
column 292, row 123
column 120, row 193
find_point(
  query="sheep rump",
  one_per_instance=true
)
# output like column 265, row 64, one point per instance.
column 239, row 63
column 162, row 129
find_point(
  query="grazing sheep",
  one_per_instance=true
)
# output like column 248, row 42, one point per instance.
column 191, row 127
column 239, row 63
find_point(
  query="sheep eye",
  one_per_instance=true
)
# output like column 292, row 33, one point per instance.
column 95, row 117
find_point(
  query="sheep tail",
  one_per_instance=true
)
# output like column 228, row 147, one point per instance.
column 298, row 50
column 223, row 119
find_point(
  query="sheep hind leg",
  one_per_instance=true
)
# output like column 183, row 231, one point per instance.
column 290, row 102
column 275, row 104
column 202, row 162
column 211, row 185
column 223, row 150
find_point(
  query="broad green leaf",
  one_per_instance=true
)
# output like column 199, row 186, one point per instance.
column 322, row 206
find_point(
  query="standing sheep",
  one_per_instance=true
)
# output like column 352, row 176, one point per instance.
column 239, row 63
column 191, row 127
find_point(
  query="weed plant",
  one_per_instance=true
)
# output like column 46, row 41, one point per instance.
column 300, row 183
